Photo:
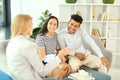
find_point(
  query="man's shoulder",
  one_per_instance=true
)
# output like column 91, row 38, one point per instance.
column 62, row 31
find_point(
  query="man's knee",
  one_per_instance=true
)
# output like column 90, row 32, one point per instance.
column 96, row 74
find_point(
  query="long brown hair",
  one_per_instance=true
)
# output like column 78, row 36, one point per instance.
column 44, row 29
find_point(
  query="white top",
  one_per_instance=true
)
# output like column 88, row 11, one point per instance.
column 75, row 40
column 24, row 62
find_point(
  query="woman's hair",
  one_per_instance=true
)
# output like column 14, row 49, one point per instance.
column 20, row 24
column 44, row 29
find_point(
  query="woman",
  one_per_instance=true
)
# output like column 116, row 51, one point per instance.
column 47, row 40
column 22, row 55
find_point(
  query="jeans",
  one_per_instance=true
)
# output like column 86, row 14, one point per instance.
column 49, row 79
column 96, row 74
column 56, row 79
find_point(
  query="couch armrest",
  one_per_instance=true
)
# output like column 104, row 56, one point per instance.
column 3, row 45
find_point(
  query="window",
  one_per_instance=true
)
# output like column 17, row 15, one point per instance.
column 2, row 13
column 5, row 19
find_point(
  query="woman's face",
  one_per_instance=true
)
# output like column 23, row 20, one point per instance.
column 52, row 25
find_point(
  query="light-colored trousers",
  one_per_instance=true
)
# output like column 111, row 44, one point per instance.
column 90, row 61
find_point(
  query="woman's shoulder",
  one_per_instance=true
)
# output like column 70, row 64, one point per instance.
column 40, row 36
column 55, row 34
column 21, row 41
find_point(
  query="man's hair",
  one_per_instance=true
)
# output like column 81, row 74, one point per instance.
column 77, row 18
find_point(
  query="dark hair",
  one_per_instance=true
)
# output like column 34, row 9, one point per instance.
column 44, row 29
column 77, row 18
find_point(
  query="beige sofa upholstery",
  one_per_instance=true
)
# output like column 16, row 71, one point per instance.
column 3, row 45
column 3, row 61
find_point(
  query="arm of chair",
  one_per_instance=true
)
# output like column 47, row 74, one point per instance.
column 3, row 45
column 105, row 52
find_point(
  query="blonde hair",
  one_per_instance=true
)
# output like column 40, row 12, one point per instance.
column 20, row 24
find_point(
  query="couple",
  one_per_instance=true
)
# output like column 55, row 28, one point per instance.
column 49, row 43
column 22, row 56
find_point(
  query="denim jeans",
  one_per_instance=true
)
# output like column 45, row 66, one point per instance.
column 96, row 74
column 49, row 79
column 56, row 79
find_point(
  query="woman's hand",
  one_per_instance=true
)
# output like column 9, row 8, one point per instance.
column 65, row 67
column 64, row 52
column 60, row 72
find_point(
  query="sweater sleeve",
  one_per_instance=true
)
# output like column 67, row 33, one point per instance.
column 63, row 43
column 91, row 43
column 37, row 64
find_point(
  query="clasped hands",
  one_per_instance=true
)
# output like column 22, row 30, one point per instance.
column 61, row 71
column 82, row 57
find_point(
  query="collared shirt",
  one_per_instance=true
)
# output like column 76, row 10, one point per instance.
column 65, row 39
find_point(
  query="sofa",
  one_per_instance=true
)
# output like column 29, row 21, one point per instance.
column 3, row 45
column 3, row 61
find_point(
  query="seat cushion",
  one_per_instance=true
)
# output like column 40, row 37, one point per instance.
column 4, row 76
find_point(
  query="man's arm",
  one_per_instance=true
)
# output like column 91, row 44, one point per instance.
column 63, row 43
column 91, row 43
column 94, row 47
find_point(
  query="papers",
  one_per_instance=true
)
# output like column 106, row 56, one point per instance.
column 81, row 75
column 49, row 57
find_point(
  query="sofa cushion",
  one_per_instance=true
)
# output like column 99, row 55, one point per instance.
column 3, row 45
column 3, row 60
column 4, row 76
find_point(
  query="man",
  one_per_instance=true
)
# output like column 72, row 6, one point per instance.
column 73, row 35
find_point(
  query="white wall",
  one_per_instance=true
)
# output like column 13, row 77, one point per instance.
column 35, row 8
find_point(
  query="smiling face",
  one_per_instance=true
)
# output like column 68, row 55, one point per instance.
column 73, row 26
column 52, row 25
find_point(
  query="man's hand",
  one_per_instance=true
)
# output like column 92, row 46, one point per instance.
column 80, row 56
column 105, row 61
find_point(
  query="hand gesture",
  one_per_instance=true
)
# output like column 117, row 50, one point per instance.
column 80, row 56
column 105, row 61
column 64, row 52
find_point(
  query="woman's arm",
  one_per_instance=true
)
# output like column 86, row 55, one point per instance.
column 42, row 53
column 39, row 67
column 41, row 46
column 91, row 43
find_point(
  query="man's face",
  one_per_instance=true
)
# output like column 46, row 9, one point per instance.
column 73, row 26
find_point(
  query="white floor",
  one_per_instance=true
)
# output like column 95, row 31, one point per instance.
column 114, row 73
column 115, row 68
